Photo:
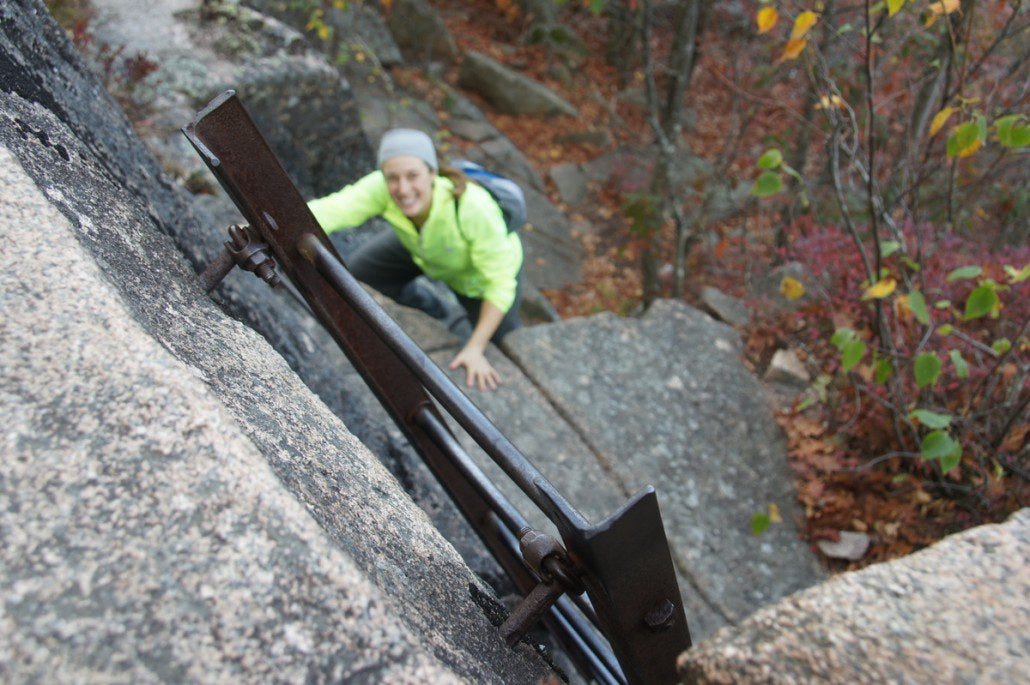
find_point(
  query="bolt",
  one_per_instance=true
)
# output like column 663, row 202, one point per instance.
column 661, row 616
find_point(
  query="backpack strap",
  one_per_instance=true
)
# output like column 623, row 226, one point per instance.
column 457, row 219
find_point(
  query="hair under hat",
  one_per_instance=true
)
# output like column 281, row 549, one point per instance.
column 407, row 141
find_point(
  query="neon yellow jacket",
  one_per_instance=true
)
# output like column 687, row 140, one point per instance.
column 478, row 258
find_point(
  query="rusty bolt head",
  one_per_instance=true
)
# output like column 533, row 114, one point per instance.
column 661, row 616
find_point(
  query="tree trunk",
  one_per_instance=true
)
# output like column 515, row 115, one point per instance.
column 622, row 51
column 689, row 22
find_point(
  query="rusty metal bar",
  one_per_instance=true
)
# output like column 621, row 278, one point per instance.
column 467, row 414
column 623, row 561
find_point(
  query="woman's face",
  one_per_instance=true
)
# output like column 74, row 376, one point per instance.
column 410, row 182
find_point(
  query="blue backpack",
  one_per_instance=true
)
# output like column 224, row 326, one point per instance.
column 505, row 192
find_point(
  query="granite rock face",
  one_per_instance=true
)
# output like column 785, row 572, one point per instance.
column 419, row 30
column 955, row 612
column 665, row 400
column 176, row 504
column 145, row 536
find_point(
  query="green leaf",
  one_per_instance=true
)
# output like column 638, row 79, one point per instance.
column 883, row 370
column 950, row 461
column 964, row 272
column 841, row 337
column 910, row 263
column 1012, row 133
column 769, row 183
column 981, row 301
column 981, row 126
column 960, row 364
column 852, row 354
column 889, row 247
column 1001, row 345
column 1017, row 276
column 942, row 304
column 945, row 330
column 939, row 444
column 771, row 159
column 927, row 368
column 967, row 137
column 917, row 303
column 931, row 419
column 852, row 348
column 759, row 522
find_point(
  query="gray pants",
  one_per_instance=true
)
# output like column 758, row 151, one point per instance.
column 386, row 265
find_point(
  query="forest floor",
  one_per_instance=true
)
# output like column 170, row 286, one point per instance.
column 836, row 489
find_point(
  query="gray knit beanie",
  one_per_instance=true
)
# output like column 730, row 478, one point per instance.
column 406, row 141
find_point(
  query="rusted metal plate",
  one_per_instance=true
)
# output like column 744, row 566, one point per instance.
column 631, row 582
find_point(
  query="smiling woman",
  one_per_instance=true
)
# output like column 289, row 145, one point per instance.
column 445, row 227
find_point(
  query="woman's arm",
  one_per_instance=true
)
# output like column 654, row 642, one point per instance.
column 479, row 371
column 353, row 204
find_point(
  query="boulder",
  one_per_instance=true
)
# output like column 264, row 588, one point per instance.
column 570, row 181
column 665, row 400
column 355, row 28
column 309, row 118
column 421, row 32
column 724, row 307
column 850, row 546
column 501, row 154
column 179, row 505
column 305, row 110
column 508, row 91
column 786, row 367
column 553, row 257
column 955, row 612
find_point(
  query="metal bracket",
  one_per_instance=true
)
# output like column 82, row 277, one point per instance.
column 243, row 249
column 558, row 574
column 623, row 562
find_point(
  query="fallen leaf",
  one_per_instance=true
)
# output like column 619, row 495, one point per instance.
column 774, row 514
column 1017, row 437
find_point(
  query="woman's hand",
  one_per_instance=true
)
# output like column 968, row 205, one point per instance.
column 478, row 371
